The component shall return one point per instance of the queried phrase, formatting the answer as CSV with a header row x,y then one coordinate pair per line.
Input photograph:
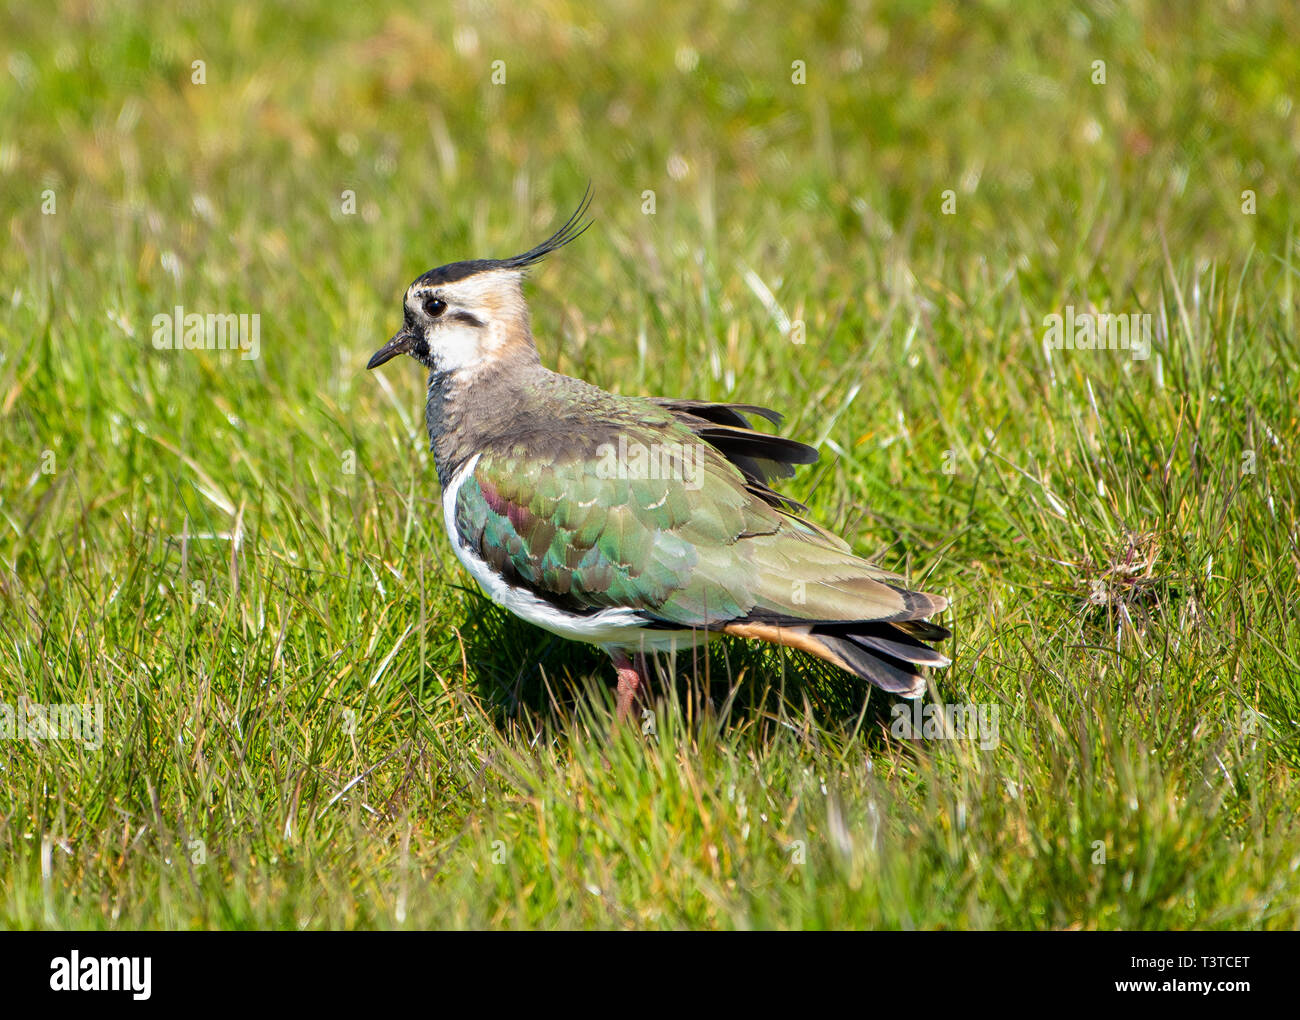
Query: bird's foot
x,y
631,679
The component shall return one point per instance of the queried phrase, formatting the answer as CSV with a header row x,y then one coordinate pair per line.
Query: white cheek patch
x,y
457,345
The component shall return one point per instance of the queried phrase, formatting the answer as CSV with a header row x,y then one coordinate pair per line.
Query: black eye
x,y
433,307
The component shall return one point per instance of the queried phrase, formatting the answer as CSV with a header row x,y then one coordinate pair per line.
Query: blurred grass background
x,y
313,720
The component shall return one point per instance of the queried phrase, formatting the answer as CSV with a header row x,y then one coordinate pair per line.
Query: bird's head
x,y
467,314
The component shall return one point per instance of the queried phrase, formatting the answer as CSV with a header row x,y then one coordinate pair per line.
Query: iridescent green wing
x,y
635,517
646,516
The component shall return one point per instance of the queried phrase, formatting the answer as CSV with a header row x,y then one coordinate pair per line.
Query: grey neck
x,y
462,414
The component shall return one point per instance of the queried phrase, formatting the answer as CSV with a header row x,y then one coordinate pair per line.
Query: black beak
x,y
400,344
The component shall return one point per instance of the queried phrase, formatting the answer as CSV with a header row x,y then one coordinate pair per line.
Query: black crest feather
x,y
571,230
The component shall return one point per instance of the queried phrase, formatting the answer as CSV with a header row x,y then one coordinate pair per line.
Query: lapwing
x,y
638,524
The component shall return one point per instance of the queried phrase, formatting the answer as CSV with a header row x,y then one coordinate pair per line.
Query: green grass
x,y
312,719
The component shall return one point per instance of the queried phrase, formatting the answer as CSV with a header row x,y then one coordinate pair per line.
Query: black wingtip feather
x,y
758,444
923,630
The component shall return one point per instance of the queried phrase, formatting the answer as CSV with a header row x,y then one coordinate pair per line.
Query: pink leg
x,y
631,678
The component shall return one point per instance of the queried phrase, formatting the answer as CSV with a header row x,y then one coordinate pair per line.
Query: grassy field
x,y
862,216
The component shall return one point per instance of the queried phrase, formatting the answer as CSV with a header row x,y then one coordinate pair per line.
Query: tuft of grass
x,y
310,717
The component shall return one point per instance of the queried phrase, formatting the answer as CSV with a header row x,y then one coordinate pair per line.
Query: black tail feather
x,y
888,655
903,648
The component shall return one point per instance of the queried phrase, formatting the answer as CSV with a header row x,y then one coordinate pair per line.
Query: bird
x,y
637,524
